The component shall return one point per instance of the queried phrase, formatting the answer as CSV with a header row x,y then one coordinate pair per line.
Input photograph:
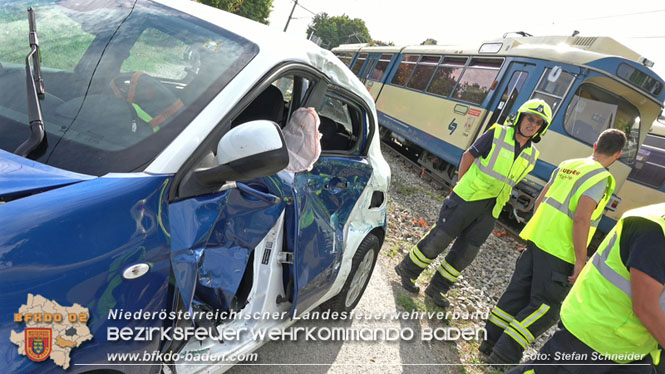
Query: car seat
x,y
269,105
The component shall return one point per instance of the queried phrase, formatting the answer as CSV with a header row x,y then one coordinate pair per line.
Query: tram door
x,y
372,60
515,90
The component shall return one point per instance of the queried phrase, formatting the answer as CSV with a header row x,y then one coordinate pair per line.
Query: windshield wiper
x,y
35,90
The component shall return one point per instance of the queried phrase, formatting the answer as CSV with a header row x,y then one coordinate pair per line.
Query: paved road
x,y
415,356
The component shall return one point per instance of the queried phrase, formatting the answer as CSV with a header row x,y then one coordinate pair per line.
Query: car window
x,y
121,81
159,54
342,124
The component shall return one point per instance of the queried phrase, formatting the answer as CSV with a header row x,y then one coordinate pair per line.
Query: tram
x,y
434,101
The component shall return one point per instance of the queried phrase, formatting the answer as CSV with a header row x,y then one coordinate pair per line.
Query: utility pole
x,y
295,2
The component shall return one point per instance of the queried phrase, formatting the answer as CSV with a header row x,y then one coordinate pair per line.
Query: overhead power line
x,y
621,15
646,37
295,3
313,13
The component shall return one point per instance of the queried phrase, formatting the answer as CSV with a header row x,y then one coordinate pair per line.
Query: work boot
x,y
498,363
485,348
437,296
407,283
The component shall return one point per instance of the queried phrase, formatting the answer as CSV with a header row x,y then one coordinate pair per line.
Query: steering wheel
x,y
153,103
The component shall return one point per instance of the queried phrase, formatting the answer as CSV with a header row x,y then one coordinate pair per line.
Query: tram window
x,y
341,125
594,109
447,75
650,162
644,81
475,83
346,57
552,87
380,68
359,64
508,98
404,70
423,73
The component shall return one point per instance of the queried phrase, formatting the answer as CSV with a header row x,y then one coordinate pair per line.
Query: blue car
x,y
154,206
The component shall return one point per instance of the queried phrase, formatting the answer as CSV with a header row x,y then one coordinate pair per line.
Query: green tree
x,y
429,41
257,10
338,30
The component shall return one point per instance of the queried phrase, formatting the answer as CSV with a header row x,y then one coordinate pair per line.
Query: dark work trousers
x,y
470,222
531,303
564,353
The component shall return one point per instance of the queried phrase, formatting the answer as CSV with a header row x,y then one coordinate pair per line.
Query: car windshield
x,y
122,79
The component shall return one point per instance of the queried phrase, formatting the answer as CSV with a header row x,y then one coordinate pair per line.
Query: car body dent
x,y
213,237
324,199
86,263
362,220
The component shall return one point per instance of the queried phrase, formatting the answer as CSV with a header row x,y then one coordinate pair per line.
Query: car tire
x,y
361,271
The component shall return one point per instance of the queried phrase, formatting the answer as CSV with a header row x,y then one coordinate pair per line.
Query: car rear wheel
x,y
361,271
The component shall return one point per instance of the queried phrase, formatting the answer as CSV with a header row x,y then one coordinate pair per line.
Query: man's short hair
x,y
610,142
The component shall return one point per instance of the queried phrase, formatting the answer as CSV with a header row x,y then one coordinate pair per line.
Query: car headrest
x,y
268,105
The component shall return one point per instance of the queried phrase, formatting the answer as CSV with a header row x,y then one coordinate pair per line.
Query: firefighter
x,y
567,212
488,171
615,312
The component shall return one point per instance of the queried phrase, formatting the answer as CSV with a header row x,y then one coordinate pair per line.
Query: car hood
x,y
20,177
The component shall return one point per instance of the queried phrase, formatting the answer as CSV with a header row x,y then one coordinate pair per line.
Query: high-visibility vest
x,y
495,176
599,307
551,227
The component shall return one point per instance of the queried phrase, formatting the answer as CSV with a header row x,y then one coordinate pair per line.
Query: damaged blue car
x,y
165,165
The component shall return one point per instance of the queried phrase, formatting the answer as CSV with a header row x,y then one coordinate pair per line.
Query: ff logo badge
x,y
38,343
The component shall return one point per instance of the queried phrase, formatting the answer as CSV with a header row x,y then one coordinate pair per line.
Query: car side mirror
x,y
250,150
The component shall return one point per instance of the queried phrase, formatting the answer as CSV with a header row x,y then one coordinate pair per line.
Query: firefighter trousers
x,y
530,304
469,222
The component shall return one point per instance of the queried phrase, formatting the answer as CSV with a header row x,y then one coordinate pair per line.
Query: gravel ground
x,y
414,204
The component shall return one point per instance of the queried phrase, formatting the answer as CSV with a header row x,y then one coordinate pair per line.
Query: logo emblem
x,y
38,343
540,108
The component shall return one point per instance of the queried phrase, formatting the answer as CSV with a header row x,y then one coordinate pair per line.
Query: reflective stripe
x,y
500,313
450,268
522,330
498,321
421,256
600,262
446,275
489,169
516,337
564,207
528,321
414,258
531,159
499,145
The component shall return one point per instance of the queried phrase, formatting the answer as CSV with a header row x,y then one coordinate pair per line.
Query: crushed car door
x,y
324,198
212,239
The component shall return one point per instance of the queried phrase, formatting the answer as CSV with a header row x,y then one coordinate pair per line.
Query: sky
x,y
639,24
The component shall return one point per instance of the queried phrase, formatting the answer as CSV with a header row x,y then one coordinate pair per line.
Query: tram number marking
x,y
554,74
452,127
